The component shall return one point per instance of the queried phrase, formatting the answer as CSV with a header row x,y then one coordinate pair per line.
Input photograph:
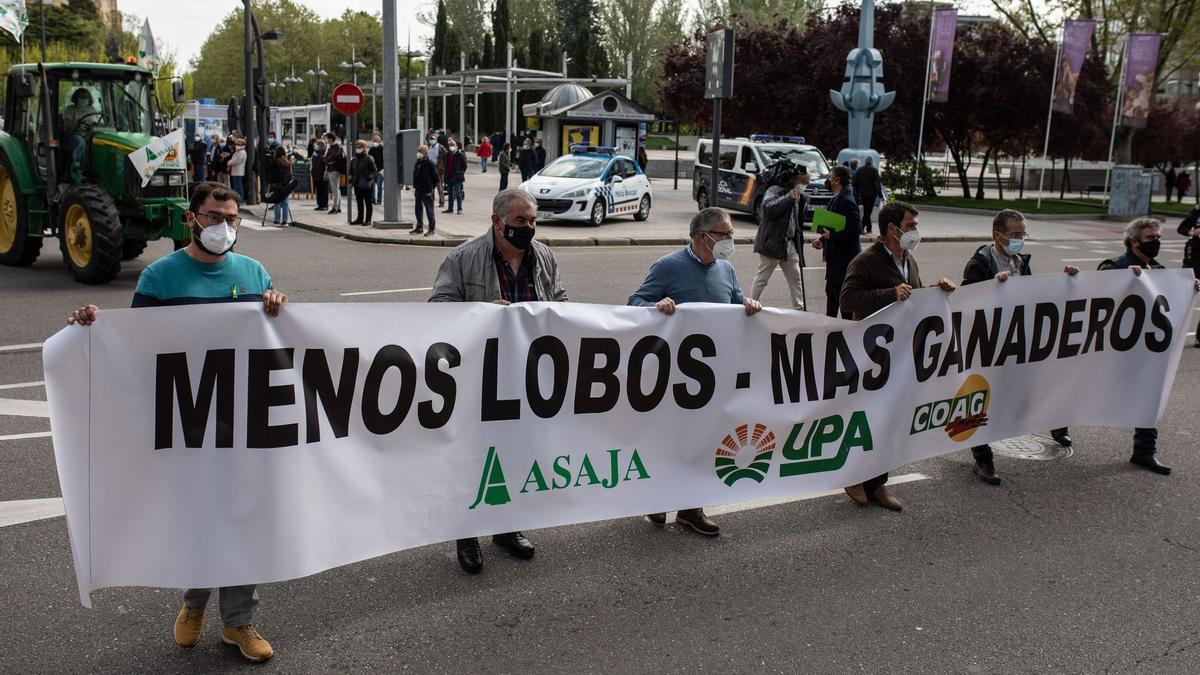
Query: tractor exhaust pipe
x,y
51,147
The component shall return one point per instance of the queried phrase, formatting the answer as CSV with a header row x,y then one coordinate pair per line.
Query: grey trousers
x,y
791,272
335,188
237,603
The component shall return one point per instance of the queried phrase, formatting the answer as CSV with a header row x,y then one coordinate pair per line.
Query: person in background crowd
x,y
437,153
272,142
885,273
1190,228
505,265
1170,180
1143,239
868,188
1000,260
423,181
643,159
376,153
698,272
497,141
199,157
335,165
362,178
311,147
456,175
203,272
222,154
780,238
527,160
1182,184
320,183
840,247
540,153
484,152
279,174
505,165
236,167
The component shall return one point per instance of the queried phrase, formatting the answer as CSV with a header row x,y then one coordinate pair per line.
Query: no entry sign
x,y
347,98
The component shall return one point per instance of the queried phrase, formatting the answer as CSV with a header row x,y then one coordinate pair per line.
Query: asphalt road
x,y
1083,564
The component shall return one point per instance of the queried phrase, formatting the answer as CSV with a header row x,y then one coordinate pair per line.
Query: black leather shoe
x,y
1150,463
1061,437
416,230
695,519
448,211
986,471
658,519
469,556
515,543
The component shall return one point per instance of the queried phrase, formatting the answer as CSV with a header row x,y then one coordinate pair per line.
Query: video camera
x,y
784,173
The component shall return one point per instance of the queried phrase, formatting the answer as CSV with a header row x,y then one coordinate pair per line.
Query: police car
x,y
743,160
590,184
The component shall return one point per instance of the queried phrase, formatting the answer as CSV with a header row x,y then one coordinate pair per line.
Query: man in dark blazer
x,y
839,247
868,187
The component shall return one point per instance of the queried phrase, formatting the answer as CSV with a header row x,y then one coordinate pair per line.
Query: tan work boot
x,y
188,624
254,647
884,499
858,494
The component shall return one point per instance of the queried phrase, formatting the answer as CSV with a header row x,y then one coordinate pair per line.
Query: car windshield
x,y
809,158
575,167
123,105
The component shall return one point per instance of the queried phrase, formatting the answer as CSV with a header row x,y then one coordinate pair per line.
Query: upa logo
x,y
566,471
959,416
741,443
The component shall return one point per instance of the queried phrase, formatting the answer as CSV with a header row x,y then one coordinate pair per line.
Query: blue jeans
x,y
456,194
283,212
235,182
483,163
78,146
379,188
200,172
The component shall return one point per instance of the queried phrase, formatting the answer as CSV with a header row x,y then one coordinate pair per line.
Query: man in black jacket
x,y
424,182
780,238
316,167
527,160
840,247
1000,260
868,188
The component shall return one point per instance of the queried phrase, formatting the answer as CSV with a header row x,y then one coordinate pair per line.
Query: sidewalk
x,y
667,226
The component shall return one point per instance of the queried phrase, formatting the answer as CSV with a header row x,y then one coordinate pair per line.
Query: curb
x,y
1028,216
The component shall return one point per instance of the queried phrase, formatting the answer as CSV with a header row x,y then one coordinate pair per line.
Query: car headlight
x,y
574,194
158,181
175,179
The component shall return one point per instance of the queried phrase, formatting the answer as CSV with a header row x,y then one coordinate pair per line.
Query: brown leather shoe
x,y
253,646
858,494
887,501
188,623
695,519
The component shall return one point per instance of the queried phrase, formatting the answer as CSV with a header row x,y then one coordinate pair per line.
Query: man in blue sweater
x,y
699,272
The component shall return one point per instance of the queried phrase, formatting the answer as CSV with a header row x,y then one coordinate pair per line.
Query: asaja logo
x,y
959,416
567,471
741,443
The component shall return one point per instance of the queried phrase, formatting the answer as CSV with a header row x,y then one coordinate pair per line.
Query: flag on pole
x,y
147,51
163,152
1077,39
941,54
1141,64
13,19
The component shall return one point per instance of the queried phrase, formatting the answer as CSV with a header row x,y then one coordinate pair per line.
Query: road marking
x,y
28,510
392,290
259,226
23,408
20,348
21,437
22,385
1068,248
1083,259
806,268
746,506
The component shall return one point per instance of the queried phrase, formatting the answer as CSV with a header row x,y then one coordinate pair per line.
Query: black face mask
x,y
1150,248
520,237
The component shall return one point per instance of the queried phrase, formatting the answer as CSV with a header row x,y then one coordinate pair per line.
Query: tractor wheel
x,y
90,235
132,248
17,247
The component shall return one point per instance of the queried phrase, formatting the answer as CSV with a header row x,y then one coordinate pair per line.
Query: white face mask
x,y
722,249
910,239
453,148
217,239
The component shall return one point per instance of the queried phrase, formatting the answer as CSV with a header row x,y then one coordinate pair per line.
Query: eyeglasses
x,y
721,234
213,218
1016,235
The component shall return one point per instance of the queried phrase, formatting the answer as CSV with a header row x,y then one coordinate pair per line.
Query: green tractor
x,y
65,170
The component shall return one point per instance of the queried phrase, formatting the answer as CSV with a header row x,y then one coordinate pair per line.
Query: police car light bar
x,y
771,138
593,149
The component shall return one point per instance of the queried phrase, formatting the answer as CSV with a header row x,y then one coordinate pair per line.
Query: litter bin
x,y
1129,194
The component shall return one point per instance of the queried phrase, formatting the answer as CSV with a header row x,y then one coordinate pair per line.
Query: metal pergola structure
x,y
476,81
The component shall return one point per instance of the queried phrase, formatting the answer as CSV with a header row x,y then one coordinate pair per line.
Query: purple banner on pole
x,y
1077,39
941,53
1141,62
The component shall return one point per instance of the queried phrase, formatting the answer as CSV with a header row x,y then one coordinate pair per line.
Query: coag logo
x,y
743,441
959,416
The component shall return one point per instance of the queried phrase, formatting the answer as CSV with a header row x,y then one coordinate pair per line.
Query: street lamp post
x,y
254,104
292,81
408,57
318,74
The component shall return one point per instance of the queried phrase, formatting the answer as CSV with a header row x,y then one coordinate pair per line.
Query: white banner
x,y
165,152
210,445
13,18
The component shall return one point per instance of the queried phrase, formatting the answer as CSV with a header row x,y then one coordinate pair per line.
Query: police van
x,y
590,184
741,163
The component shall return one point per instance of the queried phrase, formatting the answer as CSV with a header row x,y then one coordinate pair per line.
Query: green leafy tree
x,y
715,12
581,35
641,28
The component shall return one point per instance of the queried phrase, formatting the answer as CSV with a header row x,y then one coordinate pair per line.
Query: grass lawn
x,y
660,143
1054,206
1174,207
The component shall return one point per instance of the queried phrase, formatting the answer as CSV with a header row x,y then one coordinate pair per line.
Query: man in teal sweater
x,y
698,272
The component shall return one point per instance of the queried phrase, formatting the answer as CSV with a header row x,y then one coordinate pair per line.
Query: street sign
x,y
347,98
718,77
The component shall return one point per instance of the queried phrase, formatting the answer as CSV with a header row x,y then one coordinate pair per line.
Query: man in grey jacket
x,y
504,265
780,238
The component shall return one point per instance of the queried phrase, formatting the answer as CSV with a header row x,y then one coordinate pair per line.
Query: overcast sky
x,y
183,25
